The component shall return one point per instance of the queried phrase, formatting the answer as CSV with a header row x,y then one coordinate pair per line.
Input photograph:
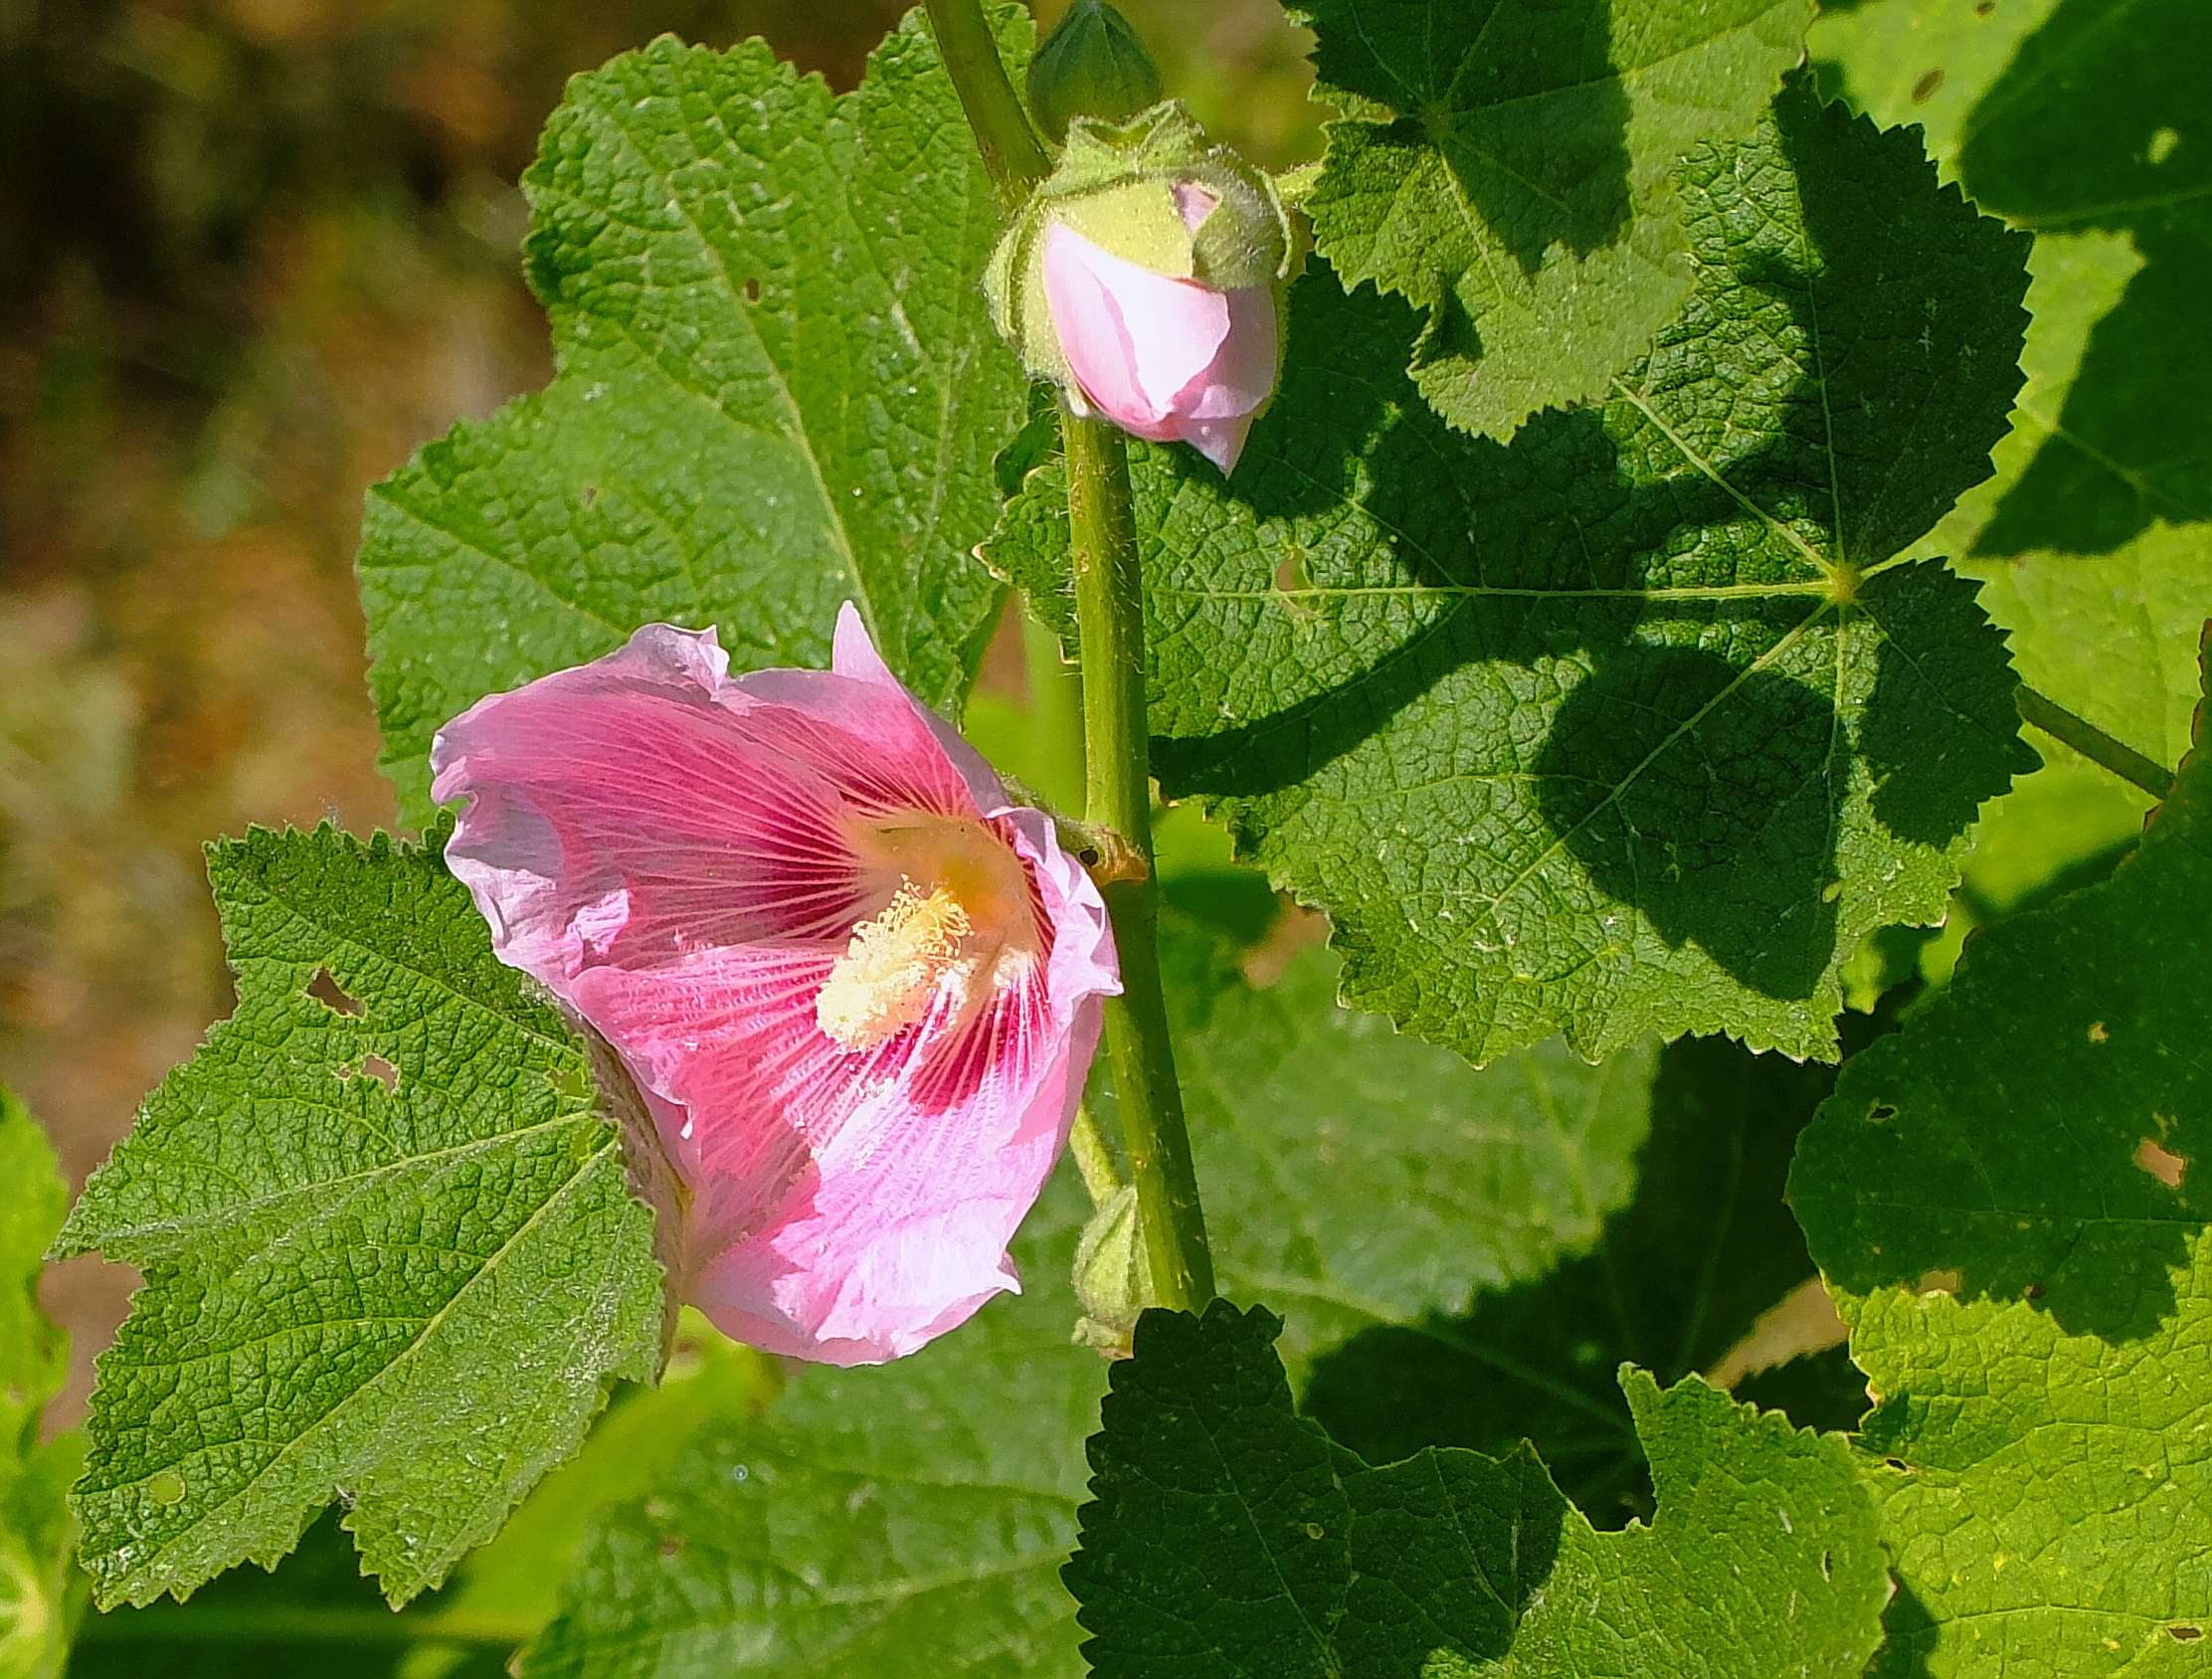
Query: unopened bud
x,y
1093,63
1145,278
1113,1276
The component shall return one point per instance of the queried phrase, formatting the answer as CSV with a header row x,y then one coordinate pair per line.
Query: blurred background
x,y
252,253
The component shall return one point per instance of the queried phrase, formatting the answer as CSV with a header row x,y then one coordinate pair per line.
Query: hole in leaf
x,y
378,1068
1939,1283
328,991
1925,89
1881,1113
2162,1164
752,289
2184,1635
1899,1465
2032,1291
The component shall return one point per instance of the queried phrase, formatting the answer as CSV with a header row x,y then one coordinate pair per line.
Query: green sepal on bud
x,y
1093,63
1117,186
1113,1276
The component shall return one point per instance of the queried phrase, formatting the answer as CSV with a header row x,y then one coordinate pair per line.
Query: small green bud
x,y
1093,63
1113,1277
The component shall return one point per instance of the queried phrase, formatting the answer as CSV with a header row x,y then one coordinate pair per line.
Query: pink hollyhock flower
x,y
1168,359
859,985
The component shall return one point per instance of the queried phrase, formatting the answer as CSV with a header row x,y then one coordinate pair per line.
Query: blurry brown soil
x,y
252,253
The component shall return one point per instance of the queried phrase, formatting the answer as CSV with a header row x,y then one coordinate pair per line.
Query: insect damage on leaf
x,y
411,1295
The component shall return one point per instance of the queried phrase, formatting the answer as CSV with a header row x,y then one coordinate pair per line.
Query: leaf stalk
x,y
2094,744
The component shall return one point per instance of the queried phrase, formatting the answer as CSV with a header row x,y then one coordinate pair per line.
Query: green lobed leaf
x,y
2108,635
409,1299
779,389
1508,168
910,1519
1355,1178
2083,121
2020,1157
1680,1277
1228,1535
35,1528
1635,726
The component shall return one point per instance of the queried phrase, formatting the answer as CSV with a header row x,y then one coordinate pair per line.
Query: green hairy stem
x,y
1110,611
1109,600
1009,146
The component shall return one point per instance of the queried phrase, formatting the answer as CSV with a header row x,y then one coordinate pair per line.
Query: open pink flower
x,y
859,985
1169,359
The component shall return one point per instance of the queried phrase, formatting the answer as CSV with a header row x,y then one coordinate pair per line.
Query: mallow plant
x,y
749,1184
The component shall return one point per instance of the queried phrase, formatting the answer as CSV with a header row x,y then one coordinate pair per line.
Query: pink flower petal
x,y
1134,338
851,1213
678,856
1240,379
1167,359
1195,201
1220,441
620,811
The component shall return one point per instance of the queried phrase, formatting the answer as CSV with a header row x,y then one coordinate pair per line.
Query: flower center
x,y
954,910
893,967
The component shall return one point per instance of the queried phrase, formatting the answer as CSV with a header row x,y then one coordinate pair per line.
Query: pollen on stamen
x,y
890,971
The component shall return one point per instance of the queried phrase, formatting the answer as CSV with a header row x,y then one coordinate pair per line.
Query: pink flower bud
x,y
1144,279
1173,360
